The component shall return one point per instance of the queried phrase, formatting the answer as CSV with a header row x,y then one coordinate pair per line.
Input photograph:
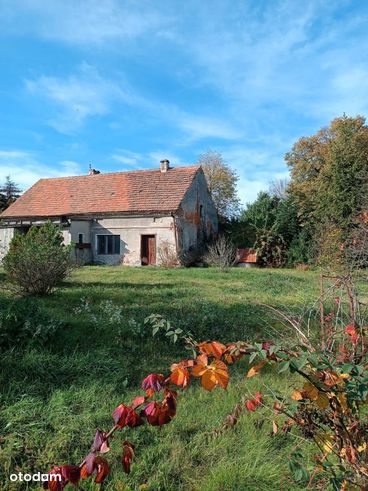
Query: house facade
x,y
122,217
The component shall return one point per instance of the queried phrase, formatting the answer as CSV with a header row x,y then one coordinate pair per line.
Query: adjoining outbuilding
x,y
247,258
120,217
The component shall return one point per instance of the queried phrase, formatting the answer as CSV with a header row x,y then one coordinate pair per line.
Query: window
x,y
108,244
80,239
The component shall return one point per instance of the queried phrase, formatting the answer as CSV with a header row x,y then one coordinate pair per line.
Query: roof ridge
x,y
136,171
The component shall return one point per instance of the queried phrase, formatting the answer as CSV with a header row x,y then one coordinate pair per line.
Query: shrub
x,y
167,256
38,261
271,249
221,254
24,323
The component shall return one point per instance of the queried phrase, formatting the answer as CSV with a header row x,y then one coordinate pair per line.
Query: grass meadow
x,y
54,395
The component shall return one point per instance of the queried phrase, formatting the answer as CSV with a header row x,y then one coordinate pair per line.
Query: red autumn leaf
x,y
138,401
258,397
179,375
89,465
169,402
133,419
251,405
100,443
350,330
119,415
128,454
214,349
71,473
56,481
102,469
153,381
83,472
158,414
266,345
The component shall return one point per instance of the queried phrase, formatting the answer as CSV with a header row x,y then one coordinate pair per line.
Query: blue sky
x,y
122,84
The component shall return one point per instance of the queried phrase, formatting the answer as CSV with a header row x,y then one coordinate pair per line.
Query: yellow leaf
x,y
322,400
327,441
256,369
362,448
343,401
275,428
209,380
344,375
311,391
297,395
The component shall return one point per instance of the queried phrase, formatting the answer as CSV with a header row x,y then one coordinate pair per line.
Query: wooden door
x,y
148,250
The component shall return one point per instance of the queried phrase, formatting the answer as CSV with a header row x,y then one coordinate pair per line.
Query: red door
x,y
148,250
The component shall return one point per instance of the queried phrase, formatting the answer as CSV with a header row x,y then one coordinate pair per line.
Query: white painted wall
x,y
130,231
6,235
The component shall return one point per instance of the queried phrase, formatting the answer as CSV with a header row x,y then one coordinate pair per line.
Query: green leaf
x,y
284,366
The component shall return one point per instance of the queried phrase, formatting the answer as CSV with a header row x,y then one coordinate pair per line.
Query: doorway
x,y
148,250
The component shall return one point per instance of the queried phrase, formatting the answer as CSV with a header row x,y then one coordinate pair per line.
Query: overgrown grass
x,y
53,397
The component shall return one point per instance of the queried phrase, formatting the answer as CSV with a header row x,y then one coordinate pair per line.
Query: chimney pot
x,y
164,165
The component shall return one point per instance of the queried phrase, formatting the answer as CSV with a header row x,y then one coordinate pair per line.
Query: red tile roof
x,y
247,256
119,192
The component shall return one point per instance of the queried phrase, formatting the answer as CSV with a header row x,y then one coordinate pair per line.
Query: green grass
x,y
53,397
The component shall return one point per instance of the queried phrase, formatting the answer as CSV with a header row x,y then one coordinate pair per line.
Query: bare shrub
x,y
221,254
167,256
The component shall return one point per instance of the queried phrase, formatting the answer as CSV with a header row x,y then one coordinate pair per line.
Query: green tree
x,y
271,224
222,184
329,173
9,192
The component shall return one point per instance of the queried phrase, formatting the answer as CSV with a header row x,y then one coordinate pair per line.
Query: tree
x,y
329,174
38,261
271,225
222,184
9,192
279,188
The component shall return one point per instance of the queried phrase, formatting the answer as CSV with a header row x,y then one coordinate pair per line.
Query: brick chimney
x,y
164,165
92,172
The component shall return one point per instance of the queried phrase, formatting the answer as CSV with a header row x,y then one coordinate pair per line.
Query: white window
x,y
108,244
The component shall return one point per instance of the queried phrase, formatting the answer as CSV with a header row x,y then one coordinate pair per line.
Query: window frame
x,y
114,243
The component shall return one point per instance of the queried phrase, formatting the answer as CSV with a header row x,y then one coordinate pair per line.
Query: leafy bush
x,y
271,249
24,323
221,254
38,261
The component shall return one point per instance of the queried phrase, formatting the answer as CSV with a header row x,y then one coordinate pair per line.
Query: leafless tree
x,y
279,188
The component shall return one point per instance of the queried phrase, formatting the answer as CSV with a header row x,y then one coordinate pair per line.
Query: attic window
x,y
80,238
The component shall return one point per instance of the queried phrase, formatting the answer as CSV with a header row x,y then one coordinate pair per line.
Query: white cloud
x,y
79,96
82,22
25,169
199,127
136,160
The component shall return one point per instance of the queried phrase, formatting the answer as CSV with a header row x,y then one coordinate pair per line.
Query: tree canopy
x,y
222,184
329,173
